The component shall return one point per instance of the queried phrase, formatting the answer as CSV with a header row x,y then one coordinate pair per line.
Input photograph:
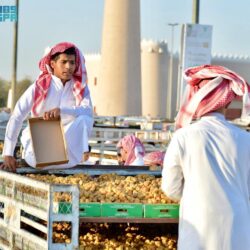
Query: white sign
x,y
195,50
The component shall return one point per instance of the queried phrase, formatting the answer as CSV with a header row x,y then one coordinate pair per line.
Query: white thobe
x,y
77,121
207,168
138,161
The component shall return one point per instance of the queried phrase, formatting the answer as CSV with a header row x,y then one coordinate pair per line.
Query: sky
x,y
44,23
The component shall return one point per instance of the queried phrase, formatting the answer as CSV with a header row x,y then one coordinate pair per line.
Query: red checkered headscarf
x,y
133,146
42,84
154,158
209,88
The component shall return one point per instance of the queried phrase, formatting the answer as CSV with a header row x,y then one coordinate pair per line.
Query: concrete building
x,y
154,76
130,77
237,63
93,65
154,67
120,71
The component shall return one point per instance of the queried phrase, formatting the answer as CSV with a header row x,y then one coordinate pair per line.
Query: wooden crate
x,y
48,142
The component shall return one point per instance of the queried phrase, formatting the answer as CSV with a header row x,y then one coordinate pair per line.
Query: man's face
x,y
64,67
124,154
119,158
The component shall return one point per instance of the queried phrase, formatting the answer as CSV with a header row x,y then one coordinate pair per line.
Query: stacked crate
x,y
29,209
123,210
28,206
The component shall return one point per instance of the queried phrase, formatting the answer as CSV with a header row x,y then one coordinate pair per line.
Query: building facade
x,y
154,78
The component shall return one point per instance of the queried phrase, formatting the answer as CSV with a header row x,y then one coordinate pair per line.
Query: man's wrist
x,y
8,148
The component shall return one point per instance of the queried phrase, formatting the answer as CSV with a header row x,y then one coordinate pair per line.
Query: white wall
x,y
154,74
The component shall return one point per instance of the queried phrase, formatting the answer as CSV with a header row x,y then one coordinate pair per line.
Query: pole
x,y
170,72
196,11
180,70
14,66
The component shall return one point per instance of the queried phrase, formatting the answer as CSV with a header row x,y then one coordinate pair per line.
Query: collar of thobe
x,y
215,115
58,81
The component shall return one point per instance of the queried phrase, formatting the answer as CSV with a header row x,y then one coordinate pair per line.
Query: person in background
x,y
131,150
119,158
207,163
154,158
86,155
59,91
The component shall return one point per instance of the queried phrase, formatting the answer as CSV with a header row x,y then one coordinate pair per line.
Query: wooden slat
x,y
90,171
34,224
128,220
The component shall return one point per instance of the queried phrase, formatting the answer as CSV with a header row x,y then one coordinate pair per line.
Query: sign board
x,y
196,44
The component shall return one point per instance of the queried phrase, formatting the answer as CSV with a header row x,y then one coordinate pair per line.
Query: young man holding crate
x,y
60,91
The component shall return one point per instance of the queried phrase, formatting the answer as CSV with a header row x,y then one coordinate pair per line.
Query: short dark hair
x,y
69,51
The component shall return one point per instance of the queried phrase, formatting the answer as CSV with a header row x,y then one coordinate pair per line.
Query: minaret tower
x,y
120,75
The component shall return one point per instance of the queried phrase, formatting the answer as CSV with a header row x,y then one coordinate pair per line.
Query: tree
x,y
22,86
4,89
5,86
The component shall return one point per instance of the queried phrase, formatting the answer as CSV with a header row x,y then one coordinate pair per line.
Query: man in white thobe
x,y
59,91
131,151
207,164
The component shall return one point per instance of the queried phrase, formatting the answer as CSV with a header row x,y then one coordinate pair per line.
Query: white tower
x,y
154,64
120,74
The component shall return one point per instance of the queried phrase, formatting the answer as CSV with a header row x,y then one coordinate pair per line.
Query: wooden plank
x,y
128,220
34,224
89,171
115,167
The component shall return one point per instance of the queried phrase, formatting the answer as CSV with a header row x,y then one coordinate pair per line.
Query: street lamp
x,y
170,72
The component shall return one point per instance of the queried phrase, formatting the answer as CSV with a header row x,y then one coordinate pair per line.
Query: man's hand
x,y
9,163
52,114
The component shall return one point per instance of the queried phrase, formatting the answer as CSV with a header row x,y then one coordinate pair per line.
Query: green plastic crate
x,y
85,209
64,208
90,209
161,210
122,210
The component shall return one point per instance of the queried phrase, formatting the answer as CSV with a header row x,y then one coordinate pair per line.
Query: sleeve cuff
x,y
8,149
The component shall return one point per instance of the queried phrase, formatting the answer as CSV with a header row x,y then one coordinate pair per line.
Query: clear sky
x,y
44,23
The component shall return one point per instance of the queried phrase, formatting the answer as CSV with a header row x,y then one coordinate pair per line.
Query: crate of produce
x,y
122,210
90,209
85,209
27,206
161,210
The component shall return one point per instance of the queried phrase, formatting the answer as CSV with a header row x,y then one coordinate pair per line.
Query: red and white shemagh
x,y
154,158
210,87
133,146
43,82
